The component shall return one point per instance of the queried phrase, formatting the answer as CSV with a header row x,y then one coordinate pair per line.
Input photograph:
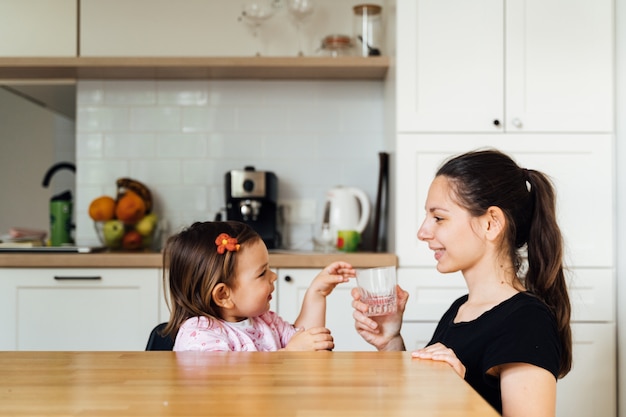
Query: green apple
x,y
146,225
113,231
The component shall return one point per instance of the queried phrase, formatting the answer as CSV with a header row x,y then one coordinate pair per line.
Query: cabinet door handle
x,y
78,278
288,278
496,122
517,123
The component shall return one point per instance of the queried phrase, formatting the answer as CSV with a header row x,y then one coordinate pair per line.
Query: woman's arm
x,y
527,390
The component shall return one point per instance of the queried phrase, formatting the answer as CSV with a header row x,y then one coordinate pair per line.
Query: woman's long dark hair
x,y
486,178
192,268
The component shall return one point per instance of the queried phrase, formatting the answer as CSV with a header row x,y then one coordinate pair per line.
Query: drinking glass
x,y
378,289
300,10
255,14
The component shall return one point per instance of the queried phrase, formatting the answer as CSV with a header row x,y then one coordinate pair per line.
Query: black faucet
x,y
54,168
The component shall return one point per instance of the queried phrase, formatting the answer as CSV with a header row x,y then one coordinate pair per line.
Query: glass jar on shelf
x,y
368,30
337,45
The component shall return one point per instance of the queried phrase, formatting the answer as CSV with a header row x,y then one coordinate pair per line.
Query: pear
x,y
146,225
113,231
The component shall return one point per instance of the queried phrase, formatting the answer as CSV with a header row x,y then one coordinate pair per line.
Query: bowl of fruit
x,y
126,222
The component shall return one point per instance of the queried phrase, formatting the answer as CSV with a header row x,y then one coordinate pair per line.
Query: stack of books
x,y
23,238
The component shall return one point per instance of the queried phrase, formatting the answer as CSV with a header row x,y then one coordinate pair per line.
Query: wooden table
x,y
307,384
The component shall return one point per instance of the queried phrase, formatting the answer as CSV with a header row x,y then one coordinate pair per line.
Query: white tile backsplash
x,y
181,137
155,119
129,145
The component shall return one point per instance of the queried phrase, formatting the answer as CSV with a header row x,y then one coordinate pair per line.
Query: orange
x,y
102,208
130,208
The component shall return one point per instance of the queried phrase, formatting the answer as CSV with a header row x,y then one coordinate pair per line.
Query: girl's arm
x,y
313,312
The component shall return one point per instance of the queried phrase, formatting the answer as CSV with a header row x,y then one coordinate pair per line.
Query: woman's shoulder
x,y
526,309
525,300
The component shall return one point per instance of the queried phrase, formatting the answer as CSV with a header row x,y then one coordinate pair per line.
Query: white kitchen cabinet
x,y
42,28
590,389
157,27
291,286
514,66
77,308
196,28
580,165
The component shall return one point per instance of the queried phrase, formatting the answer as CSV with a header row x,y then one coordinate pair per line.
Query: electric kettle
x,y
346,208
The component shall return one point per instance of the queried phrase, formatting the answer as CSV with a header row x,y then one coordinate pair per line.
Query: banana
x,y
139,188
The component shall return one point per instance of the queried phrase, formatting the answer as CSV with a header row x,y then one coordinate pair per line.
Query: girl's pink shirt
x,y
268,332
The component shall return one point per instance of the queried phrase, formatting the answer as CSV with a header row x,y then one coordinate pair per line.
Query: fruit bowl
x,y
116,235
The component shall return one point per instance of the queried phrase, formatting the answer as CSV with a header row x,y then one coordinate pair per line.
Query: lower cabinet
x,y
78,309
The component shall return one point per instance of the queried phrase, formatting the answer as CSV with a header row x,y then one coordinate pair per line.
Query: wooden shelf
x,y
262,68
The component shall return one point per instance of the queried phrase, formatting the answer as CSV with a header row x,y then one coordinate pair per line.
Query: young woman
x,y
510,336
220,290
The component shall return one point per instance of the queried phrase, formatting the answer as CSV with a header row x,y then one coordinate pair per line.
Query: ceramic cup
x,y
378,289
348,240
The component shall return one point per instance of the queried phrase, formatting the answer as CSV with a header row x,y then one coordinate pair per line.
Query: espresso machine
x,y
251,197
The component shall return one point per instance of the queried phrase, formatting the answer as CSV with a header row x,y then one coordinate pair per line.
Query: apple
x,y
132,240
113,231
146,225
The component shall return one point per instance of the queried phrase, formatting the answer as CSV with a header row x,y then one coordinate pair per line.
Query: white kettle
x,y
347,208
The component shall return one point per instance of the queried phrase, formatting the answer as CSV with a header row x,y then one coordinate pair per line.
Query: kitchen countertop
x,y
278,259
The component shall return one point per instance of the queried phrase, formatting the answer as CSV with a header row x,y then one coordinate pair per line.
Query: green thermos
x,y
61,219
60,208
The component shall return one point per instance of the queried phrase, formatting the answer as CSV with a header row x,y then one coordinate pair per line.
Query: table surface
x,y
307,384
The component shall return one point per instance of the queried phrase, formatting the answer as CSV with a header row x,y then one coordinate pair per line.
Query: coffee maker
x,y
251,197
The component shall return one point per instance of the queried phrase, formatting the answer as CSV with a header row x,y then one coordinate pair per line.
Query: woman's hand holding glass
x,y
383,332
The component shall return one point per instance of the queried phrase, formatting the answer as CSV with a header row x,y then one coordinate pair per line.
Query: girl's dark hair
x,y
193,268
487,178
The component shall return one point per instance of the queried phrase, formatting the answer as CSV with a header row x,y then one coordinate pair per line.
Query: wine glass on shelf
x,y
300,11
255,14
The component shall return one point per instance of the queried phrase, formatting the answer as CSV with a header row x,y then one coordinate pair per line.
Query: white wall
x,y
32,138
181,137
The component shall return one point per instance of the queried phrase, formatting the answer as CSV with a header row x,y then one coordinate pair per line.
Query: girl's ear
x,y
496,222
221,295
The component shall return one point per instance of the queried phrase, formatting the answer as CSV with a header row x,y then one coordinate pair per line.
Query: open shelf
x,y
263,68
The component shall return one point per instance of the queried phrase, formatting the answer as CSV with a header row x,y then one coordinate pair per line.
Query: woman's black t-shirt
x,y
520,329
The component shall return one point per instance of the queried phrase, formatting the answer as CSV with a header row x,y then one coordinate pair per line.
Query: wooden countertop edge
x,y
155,260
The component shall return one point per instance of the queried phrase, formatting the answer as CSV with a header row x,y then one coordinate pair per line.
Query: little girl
x,y
220,291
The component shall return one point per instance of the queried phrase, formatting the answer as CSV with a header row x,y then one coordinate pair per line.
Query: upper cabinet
x,y
201,28
498,66
152,28
163,39
42,28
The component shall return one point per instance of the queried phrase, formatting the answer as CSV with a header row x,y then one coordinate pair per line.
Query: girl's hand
x,y
383,332
335,273
440,352
316,338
